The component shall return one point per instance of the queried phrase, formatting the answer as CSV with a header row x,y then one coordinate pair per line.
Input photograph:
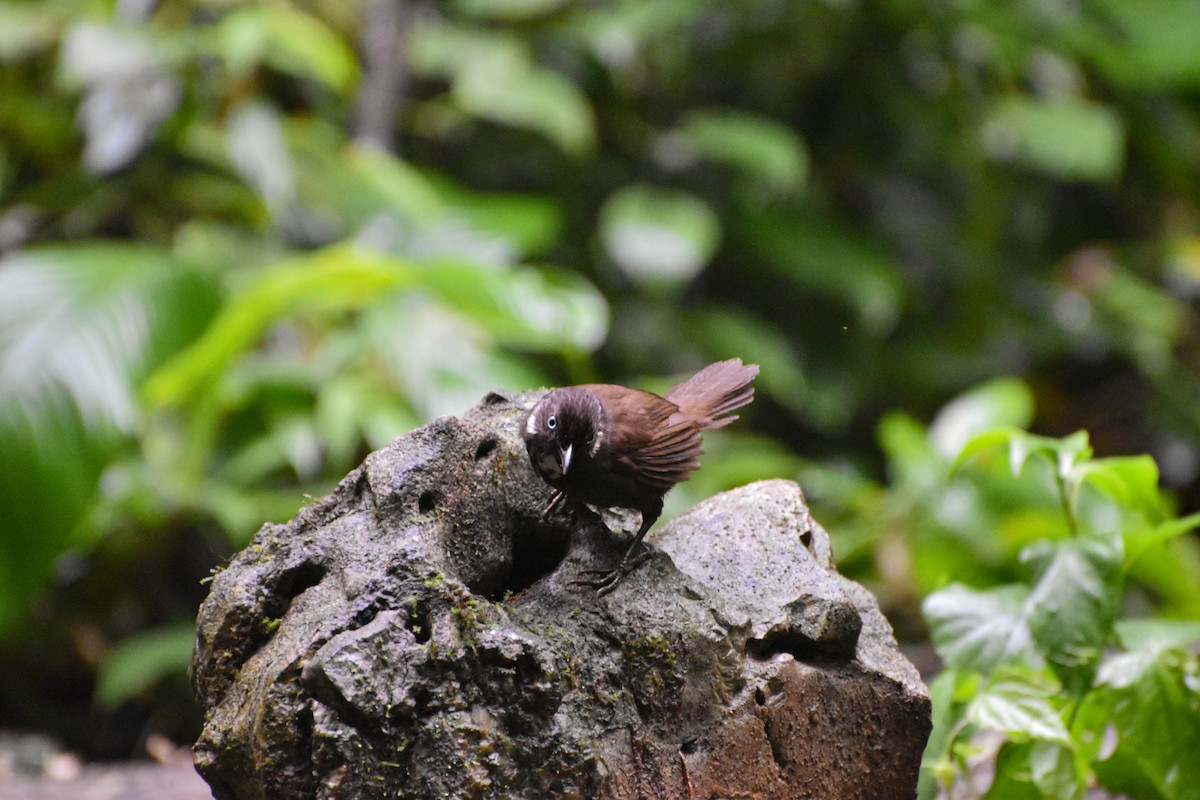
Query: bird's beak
x,y
564,454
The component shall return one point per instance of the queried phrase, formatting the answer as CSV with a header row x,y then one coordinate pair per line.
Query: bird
x,y
613,446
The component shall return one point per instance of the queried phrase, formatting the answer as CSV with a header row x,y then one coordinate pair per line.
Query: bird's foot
x,y
607,579
558,501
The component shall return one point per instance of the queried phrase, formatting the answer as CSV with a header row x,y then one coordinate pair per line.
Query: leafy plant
x,y
1045,679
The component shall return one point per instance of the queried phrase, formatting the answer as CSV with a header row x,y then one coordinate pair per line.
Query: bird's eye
x,y
552,422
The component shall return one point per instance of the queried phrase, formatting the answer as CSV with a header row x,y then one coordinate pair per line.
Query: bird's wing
x,y
644,441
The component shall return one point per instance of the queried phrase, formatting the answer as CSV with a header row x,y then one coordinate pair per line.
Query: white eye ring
x,y
551,422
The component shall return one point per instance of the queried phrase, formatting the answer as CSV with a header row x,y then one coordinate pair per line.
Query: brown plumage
x,y
609,445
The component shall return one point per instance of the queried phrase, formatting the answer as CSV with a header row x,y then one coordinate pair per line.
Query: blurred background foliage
x,y
241,245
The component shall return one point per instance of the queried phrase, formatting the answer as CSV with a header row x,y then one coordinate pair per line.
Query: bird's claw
x,y
607,579
557,501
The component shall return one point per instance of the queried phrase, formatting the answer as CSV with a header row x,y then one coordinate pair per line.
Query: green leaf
x,y
981,630
1072,606
1155,710
1037,770
138,663
657,235
1144,44
1132,481
1004,403
27,29
1139,540
338,277
88,321
1156,635
913,464
1064,453
1068,138
289,40
757,146
1019,705
543,308
512,90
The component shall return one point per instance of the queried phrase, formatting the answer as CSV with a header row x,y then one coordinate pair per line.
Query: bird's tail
x,y
709,395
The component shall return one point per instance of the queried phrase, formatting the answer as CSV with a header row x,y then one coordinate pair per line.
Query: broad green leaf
x,y
658,236
1068,139
335,278
1132,481
512,90
1019,705
1003,403
138,663
542,308
1155,635
291,41
913,464
1155,711
948,694
1144,44
1037,770
1073,603
981,630
87,321
757,146
398,185
1064,453
530,223
27,29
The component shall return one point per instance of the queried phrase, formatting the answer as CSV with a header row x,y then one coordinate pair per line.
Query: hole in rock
x,y
485,448
417,623
806,539
494,398
537,552
297,581
428,501
760,696
800,646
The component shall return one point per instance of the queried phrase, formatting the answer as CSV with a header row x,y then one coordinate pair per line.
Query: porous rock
x,y
420,633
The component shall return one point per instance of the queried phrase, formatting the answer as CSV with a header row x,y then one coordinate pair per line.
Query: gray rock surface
x,y
417,633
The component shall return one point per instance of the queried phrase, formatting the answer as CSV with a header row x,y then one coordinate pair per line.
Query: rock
x,y
417,633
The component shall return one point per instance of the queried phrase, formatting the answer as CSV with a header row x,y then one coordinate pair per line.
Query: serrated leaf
x,y
1073,604
981,630
1156,714
1020,707
1037,770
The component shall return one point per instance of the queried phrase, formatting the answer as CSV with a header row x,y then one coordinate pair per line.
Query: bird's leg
x,y
557,502
608,578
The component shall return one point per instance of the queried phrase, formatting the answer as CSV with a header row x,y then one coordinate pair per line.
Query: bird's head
x,y
564,427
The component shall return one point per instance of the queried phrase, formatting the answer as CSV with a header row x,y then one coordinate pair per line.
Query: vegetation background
x,y
241,245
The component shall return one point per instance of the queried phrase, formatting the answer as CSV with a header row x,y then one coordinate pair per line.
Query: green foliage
x,y
1045,662
242,245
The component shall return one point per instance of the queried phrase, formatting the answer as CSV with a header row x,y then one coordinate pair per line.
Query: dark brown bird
x,y
611,446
